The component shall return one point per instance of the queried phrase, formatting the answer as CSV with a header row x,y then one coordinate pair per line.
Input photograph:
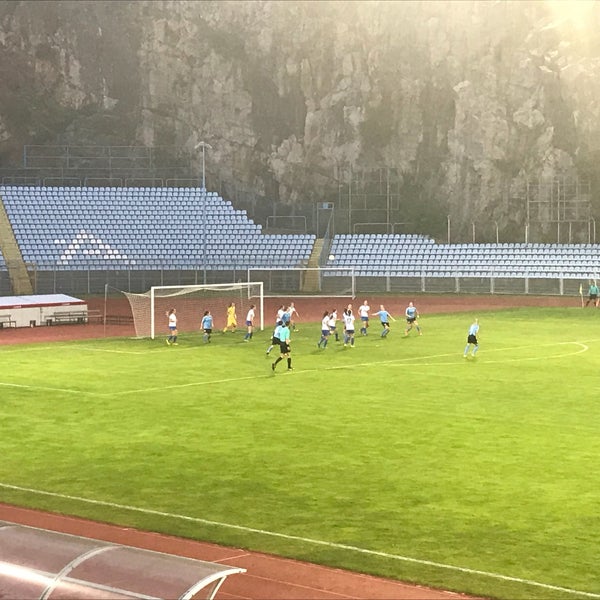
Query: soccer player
x,y
275,338
231,318
206,325
472,338
384,317
250,323
324,330
412,314
286,317
333,324
363,313
172,339
284,344
292,311
593,294
348,318
280,312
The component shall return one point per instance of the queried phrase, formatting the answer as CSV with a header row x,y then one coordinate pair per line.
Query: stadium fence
x,y
330,282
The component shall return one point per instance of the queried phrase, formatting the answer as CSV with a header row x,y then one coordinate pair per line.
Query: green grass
x,y
399,447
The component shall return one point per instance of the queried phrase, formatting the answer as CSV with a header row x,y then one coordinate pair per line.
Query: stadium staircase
x,y
13,259
311,282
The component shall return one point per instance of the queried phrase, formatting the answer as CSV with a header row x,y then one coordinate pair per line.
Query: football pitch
x,y
397,457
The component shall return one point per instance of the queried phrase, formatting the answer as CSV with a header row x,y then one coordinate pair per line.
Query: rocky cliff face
x,y
463,101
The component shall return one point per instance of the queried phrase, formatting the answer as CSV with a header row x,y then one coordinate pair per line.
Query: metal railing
x,y
51,279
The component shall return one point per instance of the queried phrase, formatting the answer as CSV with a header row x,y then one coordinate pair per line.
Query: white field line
x,y
45,388
305,540
110,351
70,348
396,361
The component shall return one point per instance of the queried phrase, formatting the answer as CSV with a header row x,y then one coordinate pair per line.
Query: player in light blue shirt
x,y
412,314
284,344
275,337
472,338
385,318
206,326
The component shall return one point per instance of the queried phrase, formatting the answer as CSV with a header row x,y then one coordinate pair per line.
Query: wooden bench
x,y
7,321
119,320
68,317
95,316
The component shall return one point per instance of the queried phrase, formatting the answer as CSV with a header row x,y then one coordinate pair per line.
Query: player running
x,y
412,315
275,337
472,339
284,344
385,318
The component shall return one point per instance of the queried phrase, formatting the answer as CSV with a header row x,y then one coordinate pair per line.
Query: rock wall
x,y
466,101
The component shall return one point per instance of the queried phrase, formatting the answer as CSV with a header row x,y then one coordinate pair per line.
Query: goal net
x,y
191,301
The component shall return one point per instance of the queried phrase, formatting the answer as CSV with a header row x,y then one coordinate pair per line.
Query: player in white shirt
x,y
292,311
324,330
363,313
348,317
333,324
280,312
172,339
249,323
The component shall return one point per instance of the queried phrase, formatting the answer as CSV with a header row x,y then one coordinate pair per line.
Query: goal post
x,y
191,301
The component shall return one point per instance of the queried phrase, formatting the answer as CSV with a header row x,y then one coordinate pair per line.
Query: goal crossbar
x,y
190,302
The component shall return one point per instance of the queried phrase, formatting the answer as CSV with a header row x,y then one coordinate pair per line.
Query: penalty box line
x,y
305,540
405,360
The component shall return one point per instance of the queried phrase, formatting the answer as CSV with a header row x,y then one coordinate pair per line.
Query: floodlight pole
x,y
204,146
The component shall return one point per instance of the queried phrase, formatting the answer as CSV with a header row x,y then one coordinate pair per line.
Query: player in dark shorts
x,y
472,339
412,314
284,345
275,339
593,294
207,323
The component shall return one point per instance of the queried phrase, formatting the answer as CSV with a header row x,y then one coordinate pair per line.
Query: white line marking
x,y
44,389
184,385
90,349
304,540
395,361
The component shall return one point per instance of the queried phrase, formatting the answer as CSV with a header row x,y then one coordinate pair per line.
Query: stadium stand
x,y
151,229
81,228
412,255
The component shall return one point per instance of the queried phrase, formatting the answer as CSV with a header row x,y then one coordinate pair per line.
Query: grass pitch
x,y
397,457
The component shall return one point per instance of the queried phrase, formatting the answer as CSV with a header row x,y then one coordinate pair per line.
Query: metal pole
x,y
203,145
497,238
448,229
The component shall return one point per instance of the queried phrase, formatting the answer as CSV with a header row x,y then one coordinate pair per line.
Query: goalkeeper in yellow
x,y
231,319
